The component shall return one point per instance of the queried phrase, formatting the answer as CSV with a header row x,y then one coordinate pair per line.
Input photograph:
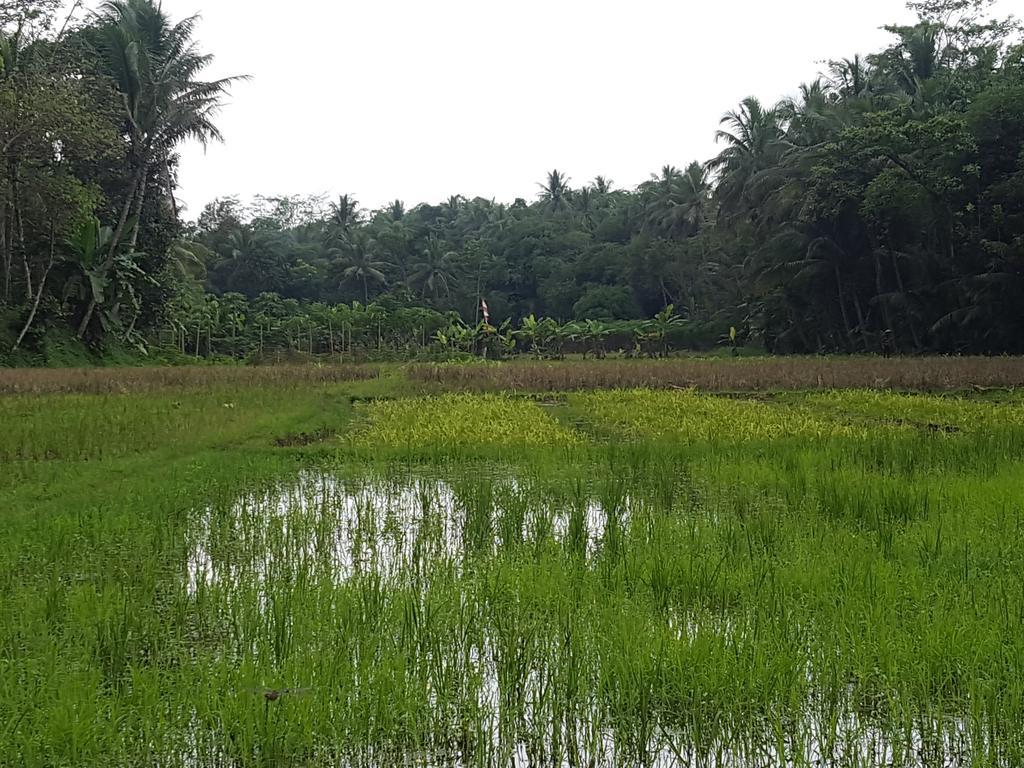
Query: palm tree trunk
x,y
126,210
140,199
170,187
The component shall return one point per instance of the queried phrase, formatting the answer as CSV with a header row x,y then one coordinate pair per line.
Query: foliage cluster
x,y
877,211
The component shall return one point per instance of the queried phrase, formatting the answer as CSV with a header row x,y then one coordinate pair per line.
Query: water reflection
x,y
328,526
401,531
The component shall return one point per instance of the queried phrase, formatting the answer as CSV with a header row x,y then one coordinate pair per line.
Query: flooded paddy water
x,y
595,579
500,616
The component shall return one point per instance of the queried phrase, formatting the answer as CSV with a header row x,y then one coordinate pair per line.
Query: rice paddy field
x,y
392,568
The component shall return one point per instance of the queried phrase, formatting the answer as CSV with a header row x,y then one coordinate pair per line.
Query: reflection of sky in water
x,y
325,526
328,527
340,528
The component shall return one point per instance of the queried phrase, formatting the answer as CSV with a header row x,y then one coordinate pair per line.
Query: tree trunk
x,y
6,237
126,209
666,298
17,227
7,221
122,220
903,293
879,290
131,325
140,199
170,187
41,288
842,307
860,320
84,325
24,254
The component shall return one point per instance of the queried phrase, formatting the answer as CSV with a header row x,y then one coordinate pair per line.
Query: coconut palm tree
x,y
661,192
155,65
851,78
359,262
345,213
395,210
583,207
256,260
453,205
555,192
814,117
916,57
433,275
754,140
678,201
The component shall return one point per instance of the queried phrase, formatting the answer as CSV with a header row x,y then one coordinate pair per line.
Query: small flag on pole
x,y
486,310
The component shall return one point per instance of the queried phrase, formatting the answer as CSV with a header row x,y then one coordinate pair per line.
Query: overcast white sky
x,y
421,100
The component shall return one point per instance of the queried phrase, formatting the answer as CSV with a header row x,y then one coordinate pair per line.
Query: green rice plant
x,y
688,415
472,581
461,421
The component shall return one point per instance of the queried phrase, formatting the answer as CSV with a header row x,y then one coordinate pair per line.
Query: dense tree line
x,y
90,117
880,210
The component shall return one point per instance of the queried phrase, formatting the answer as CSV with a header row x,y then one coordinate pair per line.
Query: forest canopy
x,y
880,210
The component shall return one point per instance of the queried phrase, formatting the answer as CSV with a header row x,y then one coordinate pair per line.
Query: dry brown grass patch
x,y
140,380
926,374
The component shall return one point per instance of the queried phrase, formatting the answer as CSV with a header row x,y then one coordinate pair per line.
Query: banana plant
x,y
656,330
457,338
595,334
499,339
507,339
543,336
104,281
